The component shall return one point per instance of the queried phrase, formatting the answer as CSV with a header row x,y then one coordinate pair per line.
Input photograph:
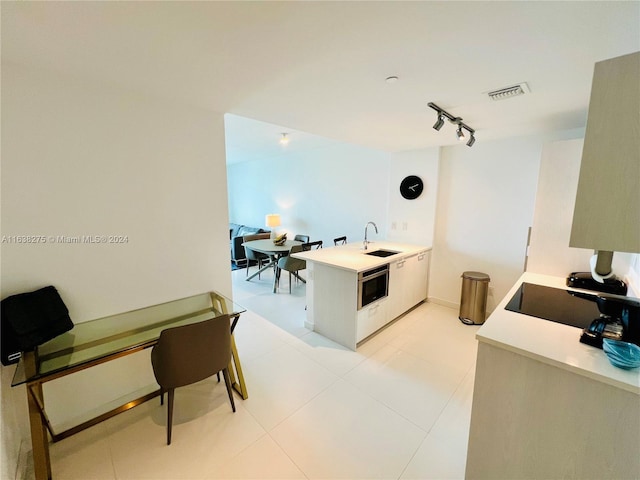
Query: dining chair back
x,y
290,264
301,238
312,245
340,241
260,258
190,353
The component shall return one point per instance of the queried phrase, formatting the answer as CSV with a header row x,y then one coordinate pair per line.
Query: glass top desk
x,y
98,341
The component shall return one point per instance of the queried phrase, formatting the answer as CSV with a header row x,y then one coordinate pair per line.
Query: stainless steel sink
x,y
381,253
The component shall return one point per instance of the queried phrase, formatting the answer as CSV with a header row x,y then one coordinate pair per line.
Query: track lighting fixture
x,y
442,115
284,140
439,123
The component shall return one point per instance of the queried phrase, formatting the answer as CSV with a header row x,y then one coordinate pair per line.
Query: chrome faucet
x,y
366,242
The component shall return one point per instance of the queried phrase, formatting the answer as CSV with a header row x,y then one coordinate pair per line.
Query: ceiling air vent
x,y
509,92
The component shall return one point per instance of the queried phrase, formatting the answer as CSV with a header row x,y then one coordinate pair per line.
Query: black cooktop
x,y
555,304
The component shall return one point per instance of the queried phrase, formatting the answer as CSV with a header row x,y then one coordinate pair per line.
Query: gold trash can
x,y
473,299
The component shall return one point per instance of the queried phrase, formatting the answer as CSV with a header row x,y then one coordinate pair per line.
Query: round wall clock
x,y
411,187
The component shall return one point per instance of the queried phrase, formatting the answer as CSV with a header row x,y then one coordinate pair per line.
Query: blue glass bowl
x,y
621,354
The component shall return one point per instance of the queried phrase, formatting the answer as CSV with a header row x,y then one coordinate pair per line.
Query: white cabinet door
x,y
407,283
411,279
371,318
419,277
397,289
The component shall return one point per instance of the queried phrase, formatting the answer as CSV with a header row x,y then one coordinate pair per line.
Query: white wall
x,y
627,266
549,252
485,207
324,193
81,158
412,221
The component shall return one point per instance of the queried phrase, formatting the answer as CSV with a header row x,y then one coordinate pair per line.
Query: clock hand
x,y
413,187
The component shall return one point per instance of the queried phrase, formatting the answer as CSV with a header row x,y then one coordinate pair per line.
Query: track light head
x,y
460,134
439,123
471,141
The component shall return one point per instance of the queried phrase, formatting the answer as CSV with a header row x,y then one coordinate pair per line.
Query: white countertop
x,y
552,343
352,256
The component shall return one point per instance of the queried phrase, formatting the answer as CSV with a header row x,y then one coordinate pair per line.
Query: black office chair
x,y
301,238
190,353
312,245
340,241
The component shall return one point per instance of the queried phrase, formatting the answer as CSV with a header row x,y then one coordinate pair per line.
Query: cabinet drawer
x,y
371,318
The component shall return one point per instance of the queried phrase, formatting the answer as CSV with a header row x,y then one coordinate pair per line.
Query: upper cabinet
x,y
607,210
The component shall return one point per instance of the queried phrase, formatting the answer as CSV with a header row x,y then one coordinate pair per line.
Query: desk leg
x,y
39,436
236,368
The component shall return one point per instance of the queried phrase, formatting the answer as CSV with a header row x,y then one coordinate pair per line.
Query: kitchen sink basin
x,y
381,253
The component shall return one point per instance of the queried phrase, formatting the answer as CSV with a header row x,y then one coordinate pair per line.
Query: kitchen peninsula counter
x,y
353,257
332,273
546,405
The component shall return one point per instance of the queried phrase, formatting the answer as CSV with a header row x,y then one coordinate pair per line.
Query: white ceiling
x,y
320,67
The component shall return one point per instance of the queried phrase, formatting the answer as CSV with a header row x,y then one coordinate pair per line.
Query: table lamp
x,y
272,220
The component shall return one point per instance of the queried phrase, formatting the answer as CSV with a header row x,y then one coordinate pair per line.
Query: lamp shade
x,y
272,220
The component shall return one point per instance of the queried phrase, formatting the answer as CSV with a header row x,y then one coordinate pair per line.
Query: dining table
x,y
274,251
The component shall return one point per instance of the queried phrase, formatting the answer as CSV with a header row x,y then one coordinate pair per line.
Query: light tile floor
x,y
398,408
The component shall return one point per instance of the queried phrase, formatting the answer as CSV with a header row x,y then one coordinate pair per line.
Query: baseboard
x,y
444,303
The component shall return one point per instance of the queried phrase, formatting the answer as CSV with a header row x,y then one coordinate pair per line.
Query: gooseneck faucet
x,y
366,242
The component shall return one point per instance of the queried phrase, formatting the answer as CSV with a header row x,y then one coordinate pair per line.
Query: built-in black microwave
x,y
372,285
